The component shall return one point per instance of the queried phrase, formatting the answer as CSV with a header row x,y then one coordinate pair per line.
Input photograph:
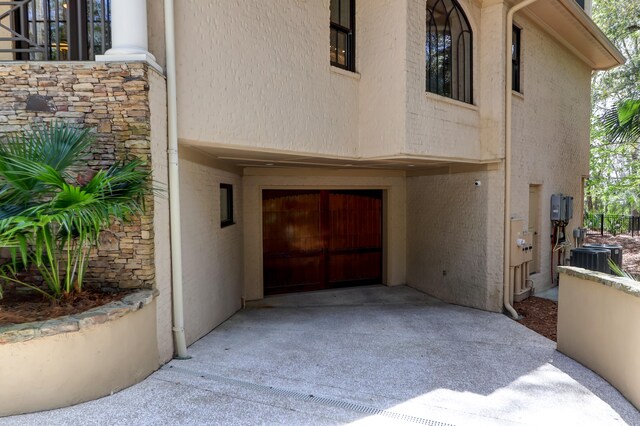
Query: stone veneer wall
x,y
113,100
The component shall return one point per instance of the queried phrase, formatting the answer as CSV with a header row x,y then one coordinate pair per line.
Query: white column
x,y
128,32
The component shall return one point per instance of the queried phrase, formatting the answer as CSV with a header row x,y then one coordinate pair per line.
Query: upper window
x,y
449,51
343,52
515,59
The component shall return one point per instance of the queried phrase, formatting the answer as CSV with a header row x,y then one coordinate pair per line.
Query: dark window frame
x,y
48,31
439,52
229,191
516,59
350,33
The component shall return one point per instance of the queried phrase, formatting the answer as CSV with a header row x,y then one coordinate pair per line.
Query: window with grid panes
x,y
342,40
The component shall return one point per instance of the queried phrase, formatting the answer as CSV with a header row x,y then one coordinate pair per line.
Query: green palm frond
x,y
619,271
59,145
49,221
622,123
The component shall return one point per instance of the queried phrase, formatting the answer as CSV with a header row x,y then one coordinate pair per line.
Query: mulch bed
x,y
540,315
18,306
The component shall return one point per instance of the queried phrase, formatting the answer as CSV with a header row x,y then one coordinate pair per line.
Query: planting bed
x,y
18,307
80,357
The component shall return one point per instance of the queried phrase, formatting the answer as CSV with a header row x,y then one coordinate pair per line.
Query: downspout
x,y
507,160
174,184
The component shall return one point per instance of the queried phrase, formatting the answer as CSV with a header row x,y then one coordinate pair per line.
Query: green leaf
x,y
47,213
627,111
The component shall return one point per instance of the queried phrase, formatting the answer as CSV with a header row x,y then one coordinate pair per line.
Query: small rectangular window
x,y
342,38
515,60
226,205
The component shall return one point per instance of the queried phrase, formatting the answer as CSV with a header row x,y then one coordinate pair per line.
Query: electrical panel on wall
x,y
561,208
569,208
521,243
556,201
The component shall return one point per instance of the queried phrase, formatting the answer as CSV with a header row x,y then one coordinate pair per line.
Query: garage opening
x,y
321,239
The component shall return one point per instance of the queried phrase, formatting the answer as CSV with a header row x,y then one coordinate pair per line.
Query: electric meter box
x,y
561,208
568,209
556,203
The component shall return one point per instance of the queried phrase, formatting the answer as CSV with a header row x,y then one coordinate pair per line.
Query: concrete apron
x,y
368,355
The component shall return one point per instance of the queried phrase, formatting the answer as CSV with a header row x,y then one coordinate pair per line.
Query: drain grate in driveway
x,y
313,398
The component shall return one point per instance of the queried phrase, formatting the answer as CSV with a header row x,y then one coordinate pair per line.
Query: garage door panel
x,y
321,239
291,221
289,274
356,220
355,267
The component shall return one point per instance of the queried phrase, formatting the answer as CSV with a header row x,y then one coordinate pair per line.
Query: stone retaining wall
x,y
113,100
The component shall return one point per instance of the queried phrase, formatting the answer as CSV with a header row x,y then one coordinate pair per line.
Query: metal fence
x,y
611,224
54,30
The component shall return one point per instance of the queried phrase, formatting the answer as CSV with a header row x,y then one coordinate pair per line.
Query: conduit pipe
x,y
174,184
507,159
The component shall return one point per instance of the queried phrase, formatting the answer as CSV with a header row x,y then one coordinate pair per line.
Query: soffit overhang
x,y
248,158
570,25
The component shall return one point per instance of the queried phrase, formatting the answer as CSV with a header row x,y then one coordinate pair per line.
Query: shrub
x,y
53,208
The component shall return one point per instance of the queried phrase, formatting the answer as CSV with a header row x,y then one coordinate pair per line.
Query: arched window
x,y
449,51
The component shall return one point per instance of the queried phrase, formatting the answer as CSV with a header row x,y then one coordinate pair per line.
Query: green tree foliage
x,y
52,209
615,151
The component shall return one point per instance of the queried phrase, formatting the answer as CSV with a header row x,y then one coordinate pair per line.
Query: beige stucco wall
x,y
490,80
257,74
381,60
162,244
551,122
155,30
66,369
211,255
435,125
598,327
394,215
454,238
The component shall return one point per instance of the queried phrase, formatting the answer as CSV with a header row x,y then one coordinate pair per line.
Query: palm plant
x,y
622,123
52,212
617,270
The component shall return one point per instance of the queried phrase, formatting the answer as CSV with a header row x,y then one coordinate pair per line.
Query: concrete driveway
x,y
369,355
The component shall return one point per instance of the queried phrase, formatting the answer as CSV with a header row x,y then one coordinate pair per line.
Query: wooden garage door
x,y
315,240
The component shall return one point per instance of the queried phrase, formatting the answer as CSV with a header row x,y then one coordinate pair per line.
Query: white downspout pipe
x,y
174,184
507,160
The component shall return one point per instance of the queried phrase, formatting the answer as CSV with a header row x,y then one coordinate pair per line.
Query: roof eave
x,y
569,23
